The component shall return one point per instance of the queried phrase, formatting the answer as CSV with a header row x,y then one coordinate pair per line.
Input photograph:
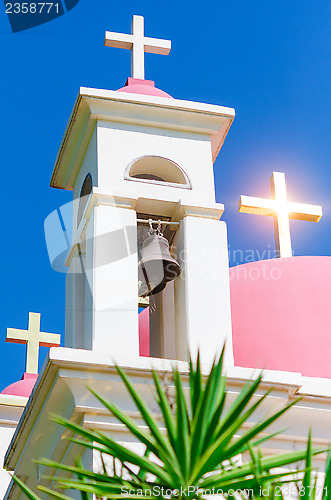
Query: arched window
x,y
157,170
83,197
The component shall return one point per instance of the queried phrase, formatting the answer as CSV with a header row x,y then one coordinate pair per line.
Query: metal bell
x,y
156,266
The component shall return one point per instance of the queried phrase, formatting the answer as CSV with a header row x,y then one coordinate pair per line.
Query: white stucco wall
x,y
11,409
119,145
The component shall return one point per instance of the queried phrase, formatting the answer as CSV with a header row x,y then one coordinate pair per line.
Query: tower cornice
x,y
93,105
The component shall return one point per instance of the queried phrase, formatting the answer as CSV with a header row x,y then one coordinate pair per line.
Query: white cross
x,y
138,43
282,210
33,337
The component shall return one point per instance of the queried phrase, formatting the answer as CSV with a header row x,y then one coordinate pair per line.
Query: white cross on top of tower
x,y
33,337
138,43
282,210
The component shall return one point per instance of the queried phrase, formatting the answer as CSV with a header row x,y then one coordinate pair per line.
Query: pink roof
x,y
281,315
22,388
146,87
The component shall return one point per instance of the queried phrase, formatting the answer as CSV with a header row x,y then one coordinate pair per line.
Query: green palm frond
x,y
195,445
327,480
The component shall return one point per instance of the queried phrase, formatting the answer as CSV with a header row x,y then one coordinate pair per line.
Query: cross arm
x,y
118,40
16,336
302,211
157,46
49,339
259,206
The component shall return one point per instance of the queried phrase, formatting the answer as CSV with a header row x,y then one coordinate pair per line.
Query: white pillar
x,y
202,291
111,288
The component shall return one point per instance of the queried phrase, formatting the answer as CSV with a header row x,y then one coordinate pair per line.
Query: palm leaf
x,y
81,477
88,474
125,455
168,417
327,479
29,493
183,430
54,494
149,420
97,488
195,383
266,463
307,478
211,402
129,423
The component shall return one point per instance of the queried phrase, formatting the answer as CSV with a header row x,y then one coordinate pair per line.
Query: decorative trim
x,y
127,176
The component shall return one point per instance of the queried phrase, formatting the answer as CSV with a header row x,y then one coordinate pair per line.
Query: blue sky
x,y
269,60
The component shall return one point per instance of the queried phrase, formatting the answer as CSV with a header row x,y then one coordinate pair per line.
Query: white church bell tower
x,y
130,156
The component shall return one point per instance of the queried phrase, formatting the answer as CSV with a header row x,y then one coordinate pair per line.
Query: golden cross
x,y
282,210
33,337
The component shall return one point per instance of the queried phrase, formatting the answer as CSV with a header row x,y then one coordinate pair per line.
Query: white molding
x,y
96,104
9,400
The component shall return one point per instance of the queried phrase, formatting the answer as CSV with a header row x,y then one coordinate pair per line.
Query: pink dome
x,y
145,87
281,315
23,387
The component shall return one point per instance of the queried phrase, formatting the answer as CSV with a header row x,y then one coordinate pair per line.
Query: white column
x,y
75,304
202,291
162,334
111,289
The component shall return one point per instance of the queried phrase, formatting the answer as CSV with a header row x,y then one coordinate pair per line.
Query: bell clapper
x,y
152,304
